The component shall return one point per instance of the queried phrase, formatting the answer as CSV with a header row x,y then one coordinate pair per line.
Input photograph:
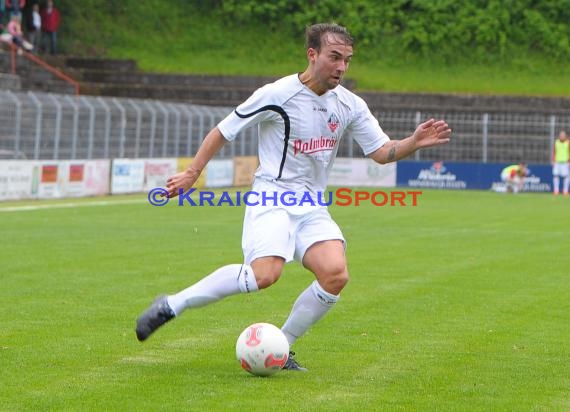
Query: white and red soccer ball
x,y
262,349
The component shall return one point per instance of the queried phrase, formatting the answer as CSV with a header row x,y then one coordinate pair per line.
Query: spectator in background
x,y
2,9
15,6
15,30
560,161
514,176
35,26
50,24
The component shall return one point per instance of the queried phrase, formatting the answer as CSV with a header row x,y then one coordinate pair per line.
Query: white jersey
x,y
299,131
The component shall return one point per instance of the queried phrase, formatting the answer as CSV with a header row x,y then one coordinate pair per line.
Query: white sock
x,y
556,183
565,183
311,305
225,281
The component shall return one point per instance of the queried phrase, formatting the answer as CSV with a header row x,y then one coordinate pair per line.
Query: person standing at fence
x,y
300,119
560,163
50,25
35,26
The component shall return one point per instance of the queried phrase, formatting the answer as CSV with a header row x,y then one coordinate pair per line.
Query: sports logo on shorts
x,y
333,123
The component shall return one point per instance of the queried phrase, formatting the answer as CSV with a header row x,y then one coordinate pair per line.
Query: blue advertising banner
x,y
461,176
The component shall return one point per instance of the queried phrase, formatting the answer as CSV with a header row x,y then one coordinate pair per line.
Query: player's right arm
x,y
212,143
226,131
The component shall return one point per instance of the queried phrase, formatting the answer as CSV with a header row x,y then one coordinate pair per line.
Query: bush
x,y
438,30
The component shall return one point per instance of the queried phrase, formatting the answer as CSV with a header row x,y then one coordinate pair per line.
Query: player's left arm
x,y
430,133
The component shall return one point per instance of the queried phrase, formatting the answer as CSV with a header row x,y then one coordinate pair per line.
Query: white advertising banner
x,y
127,176
220,173
70,178
49,179
86,177
157,171
45,179
362,172
16,179
97,177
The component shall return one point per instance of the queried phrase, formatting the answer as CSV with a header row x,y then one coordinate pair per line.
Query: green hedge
x,y
440,30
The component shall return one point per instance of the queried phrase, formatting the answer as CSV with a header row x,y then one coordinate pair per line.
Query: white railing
x,y
37,125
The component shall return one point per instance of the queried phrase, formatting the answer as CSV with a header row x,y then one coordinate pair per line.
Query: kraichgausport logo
x,y
340,197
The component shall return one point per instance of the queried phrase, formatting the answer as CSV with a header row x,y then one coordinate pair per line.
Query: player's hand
x,y
431,133
183,180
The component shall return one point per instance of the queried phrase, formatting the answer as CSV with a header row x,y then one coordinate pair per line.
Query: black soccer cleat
x,y
154,317
292,365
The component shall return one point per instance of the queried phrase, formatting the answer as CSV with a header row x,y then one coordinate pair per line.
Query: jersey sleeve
x,y
366,130
249,113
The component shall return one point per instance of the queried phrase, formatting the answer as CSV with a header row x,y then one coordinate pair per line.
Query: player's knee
x,y
266,279
342,278
267,271
266,275
335,280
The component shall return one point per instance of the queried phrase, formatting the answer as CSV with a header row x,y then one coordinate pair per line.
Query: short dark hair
x,y
314,34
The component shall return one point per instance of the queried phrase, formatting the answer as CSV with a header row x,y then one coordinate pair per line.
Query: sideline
x,y
86,203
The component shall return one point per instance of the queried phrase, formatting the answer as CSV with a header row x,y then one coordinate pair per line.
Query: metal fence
x,y
53,126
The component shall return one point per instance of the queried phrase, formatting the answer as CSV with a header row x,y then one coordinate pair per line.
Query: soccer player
x,y
513,176
560,160
301,119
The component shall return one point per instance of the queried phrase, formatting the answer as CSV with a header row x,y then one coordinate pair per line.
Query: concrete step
x,y
181,80
114,65
439,102
11,82
121,78
32,76
216,96
48,86
103,76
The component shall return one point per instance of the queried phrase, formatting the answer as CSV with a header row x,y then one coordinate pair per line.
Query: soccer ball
x,y
262,349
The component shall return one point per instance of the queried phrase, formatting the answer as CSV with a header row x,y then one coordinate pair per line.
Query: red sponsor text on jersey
x,y
313,145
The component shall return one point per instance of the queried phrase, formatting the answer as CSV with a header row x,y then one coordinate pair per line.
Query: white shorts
x,y
276,232
560,169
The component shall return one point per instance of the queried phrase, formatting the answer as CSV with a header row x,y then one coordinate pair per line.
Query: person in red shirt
x,y
50,24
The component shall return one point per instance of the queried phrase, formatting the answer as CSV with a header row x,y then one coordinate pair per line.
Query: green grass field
x,y
458,304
